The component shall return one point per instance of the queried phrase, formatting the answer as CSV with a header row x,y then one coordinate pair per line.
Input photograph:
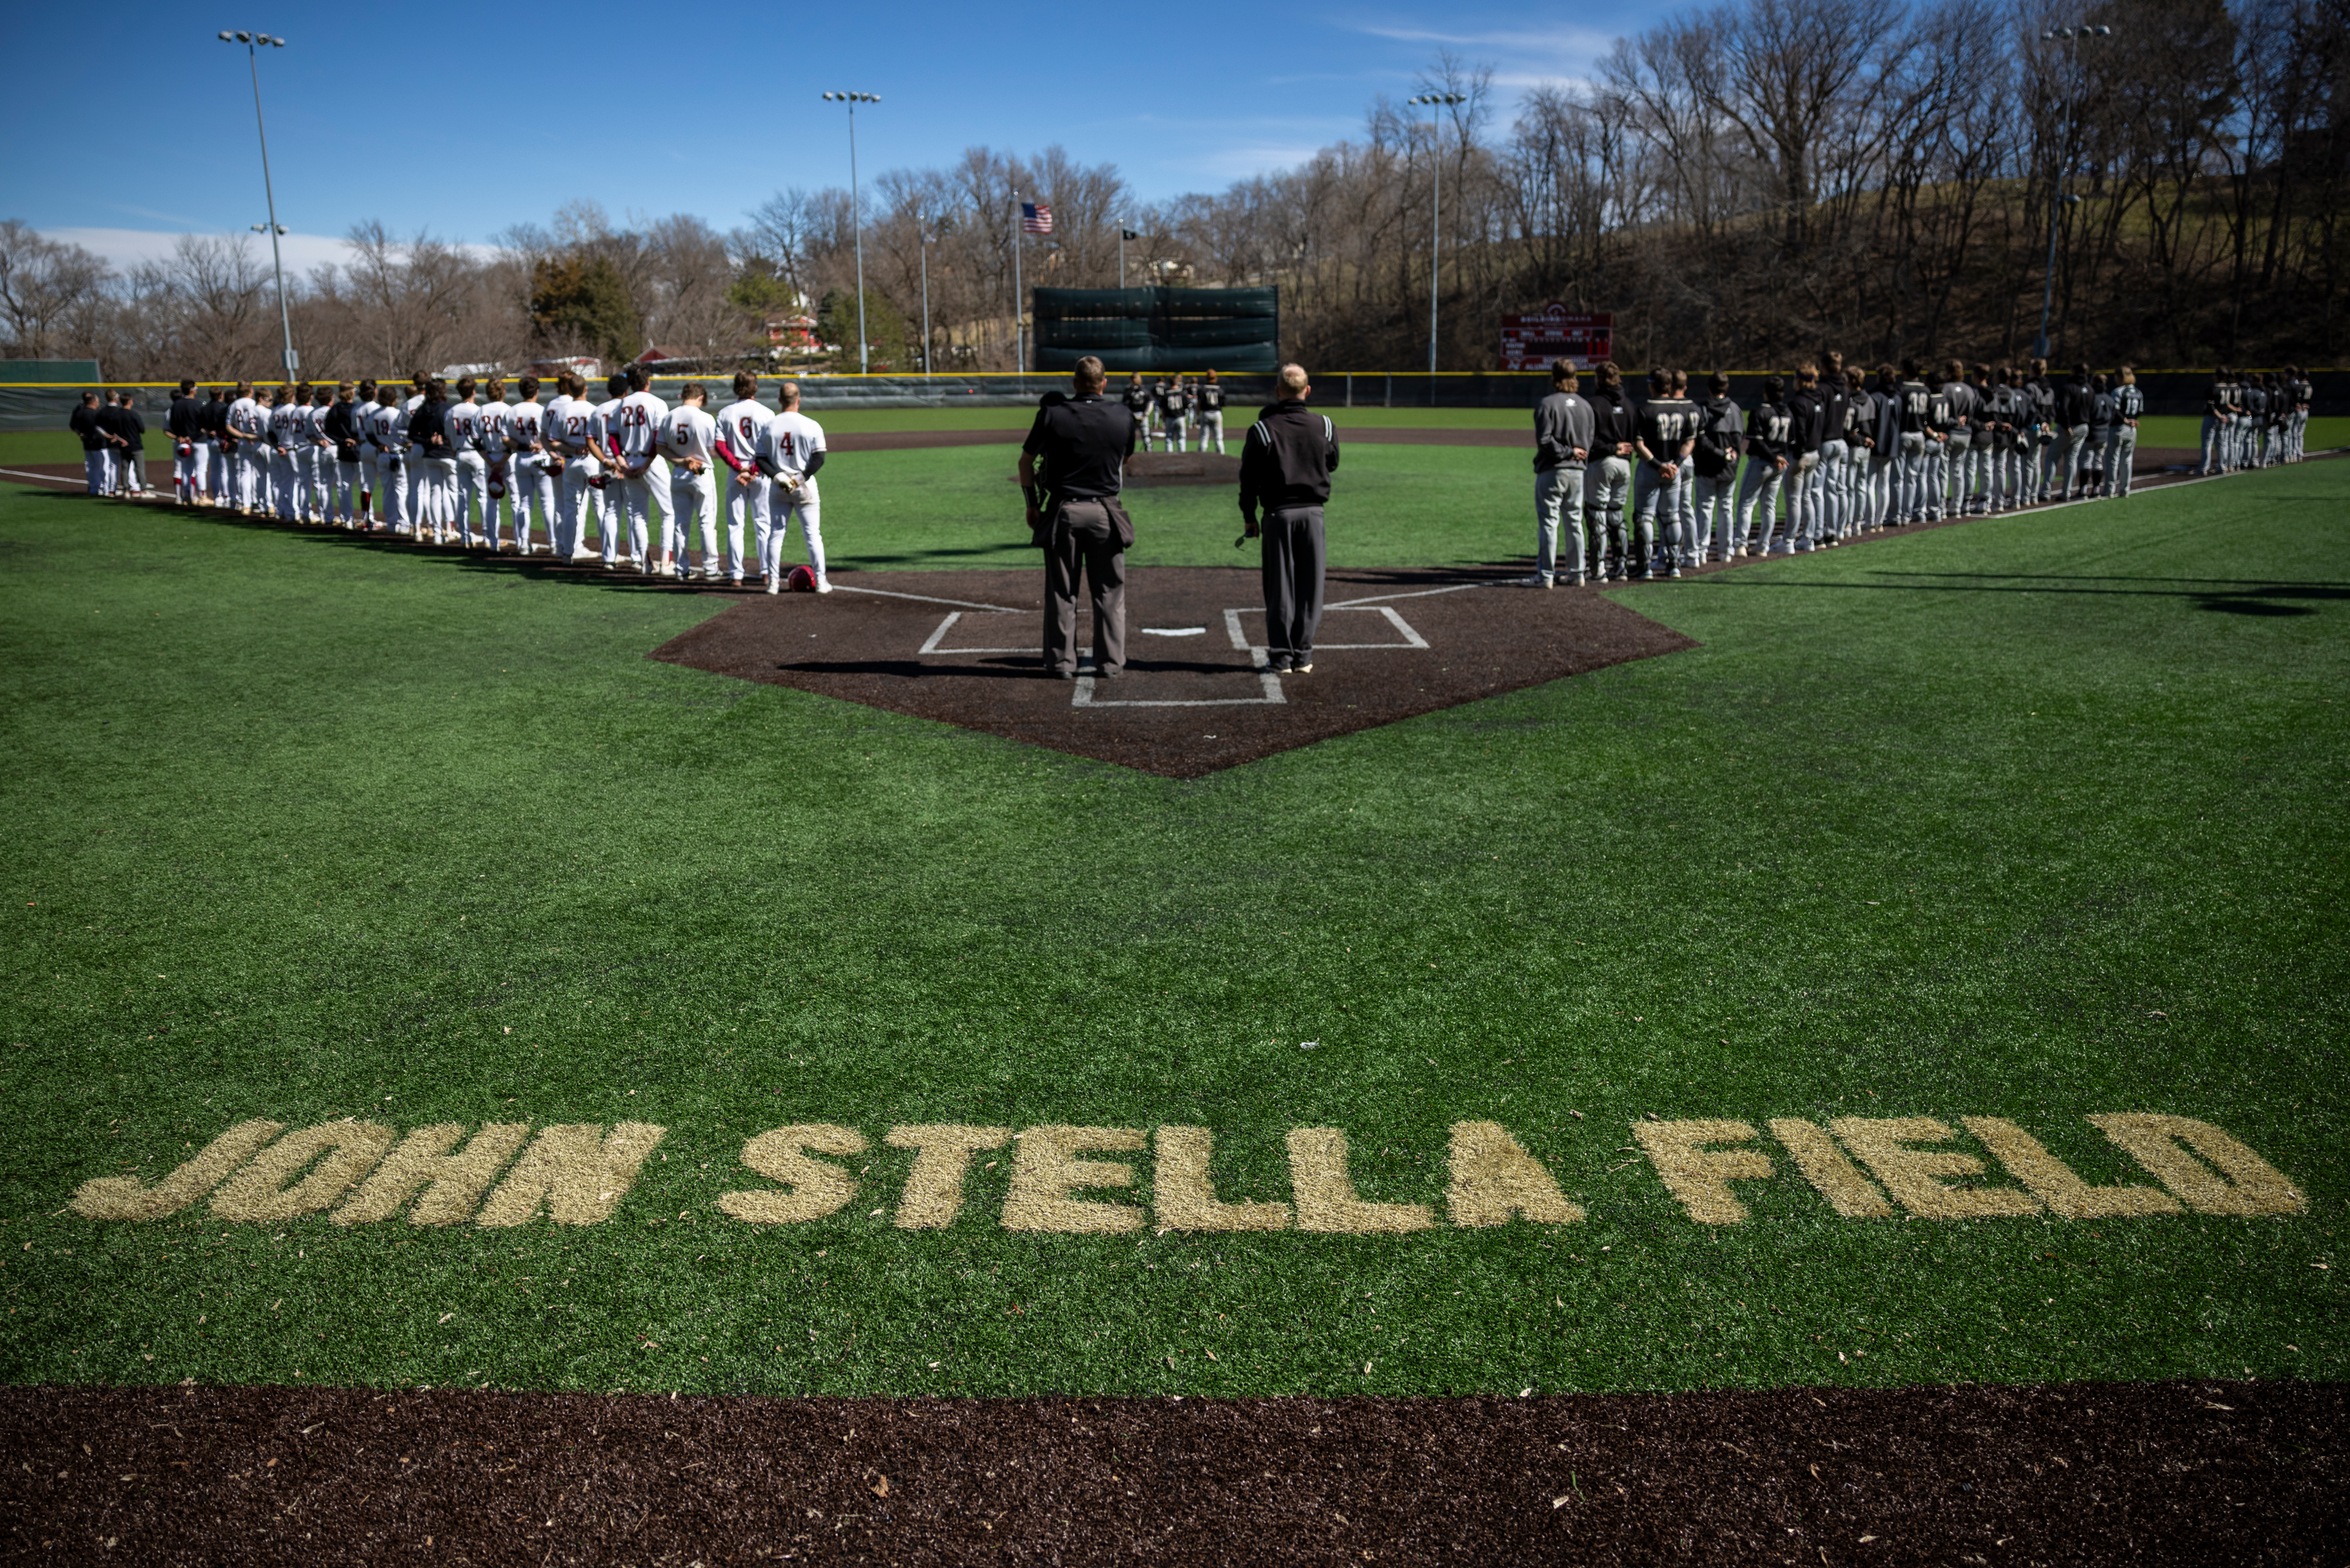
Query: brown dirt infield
x,y
2191,1473
962,647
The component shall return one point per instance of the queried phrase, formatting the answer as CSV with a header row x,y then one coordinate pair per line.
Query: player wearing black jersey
x,y
1137,398
2011,421
1917,436
2075,404
1608,478
2041,389
1715,463
1769,431
1665,434
2215,423
1835,451
1208,399
2102,415
1175,416
1958,439
1885,453
1803,460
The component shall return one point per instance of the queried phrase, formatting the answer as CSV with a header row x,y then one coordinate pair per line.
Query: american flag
x,y
1035,218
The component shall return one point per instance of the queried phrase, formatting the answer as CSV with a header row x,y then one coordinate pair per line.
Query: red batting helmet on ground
x,y
800,580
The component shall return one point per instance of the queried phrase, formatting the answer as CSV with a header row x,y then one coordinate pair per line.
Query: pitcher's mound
x,y
1196,695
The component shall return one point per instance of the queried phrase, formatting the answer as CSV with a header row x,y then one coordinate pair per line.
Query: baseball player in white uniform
x,y
417,479
318,456
287,420
741,426
498,478
530,488
244,424
387,442
610,505
790,451
465,428
688,439
634,432
571,433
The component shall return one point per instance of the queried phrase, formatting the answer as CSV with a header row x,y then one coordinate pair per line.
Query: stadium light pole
x,y
857,215
254,42
2071,38
1437,104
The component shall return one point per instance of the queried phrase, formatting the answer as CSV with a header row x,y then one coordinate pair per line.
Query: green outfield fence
x,y
45,405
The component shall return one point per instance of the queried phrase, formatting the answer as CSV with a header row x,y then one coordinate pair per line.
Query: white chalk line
x,y
925,598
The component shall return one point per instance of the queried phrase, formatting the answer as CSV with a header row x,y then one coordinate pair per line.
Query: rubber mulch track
x,y
2080,1473
1187,704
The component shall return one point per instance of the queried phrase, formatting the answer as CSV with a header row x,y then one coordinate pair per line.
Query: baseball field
x,y
1850,1071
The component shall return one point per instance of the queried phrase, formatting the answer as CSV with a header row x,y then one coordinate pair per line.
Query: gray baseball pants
x,y
1292,563
1558,504
1084,542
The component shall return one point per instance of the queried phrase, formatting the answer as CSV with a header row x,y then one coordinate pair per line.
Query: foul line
x,y
47,479
924,598
1418,593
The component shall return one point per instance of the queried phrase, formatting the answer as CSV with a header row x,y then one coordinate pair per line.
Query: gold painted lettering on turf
x,y
2228,1179
1183,1194
303,1172
1831,1174
1699,1176
1325,1190
1920,1179
2054,1183
452,1184
1046,1170
943,1152
123,1198
574,1172
1493,1180
813,1188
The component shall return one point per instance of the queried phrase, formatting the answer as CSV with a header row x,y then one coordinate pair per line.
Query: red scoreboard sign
x,y
1531,342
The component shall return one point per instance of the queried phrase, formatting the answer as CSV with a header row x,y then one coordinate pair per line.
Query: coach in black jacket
x,y
1285,468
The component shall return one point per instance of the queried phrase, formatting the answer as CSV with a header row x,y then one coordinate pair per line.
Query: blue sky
x,y
131,122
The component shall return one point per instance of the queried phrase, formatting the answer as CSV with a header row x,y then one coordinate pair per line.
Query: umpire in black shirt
x,y
1285,468
1071,468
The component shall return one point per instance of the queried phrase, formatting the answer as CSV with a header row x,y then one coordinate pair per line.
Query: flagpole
x,y
1019,336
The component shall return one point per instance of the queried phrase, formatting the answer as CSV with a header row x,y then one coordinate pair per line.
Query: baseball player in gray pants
x,y
2121,446
1562,444
1610,487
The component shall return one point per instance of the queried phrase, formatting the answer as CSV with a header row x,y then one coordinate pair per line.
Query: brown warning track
x,y
2081,1473
962,647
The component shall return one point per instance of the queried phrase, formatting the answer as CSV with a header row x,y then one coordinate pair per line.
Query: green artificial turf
x,y
2036,817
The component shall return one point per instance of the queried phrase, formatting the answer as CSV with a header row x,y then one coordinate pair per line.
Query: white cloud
x,y
126,248
1520,58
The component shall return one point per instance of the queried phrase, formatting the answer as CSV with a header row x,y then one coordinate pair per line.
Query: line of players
x,y
1630,489
461,465
114,437
1165,411
2254,419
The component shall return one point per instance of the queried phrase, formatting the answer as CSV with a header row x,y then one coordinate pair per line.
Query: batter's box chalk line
x,y
1269,693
